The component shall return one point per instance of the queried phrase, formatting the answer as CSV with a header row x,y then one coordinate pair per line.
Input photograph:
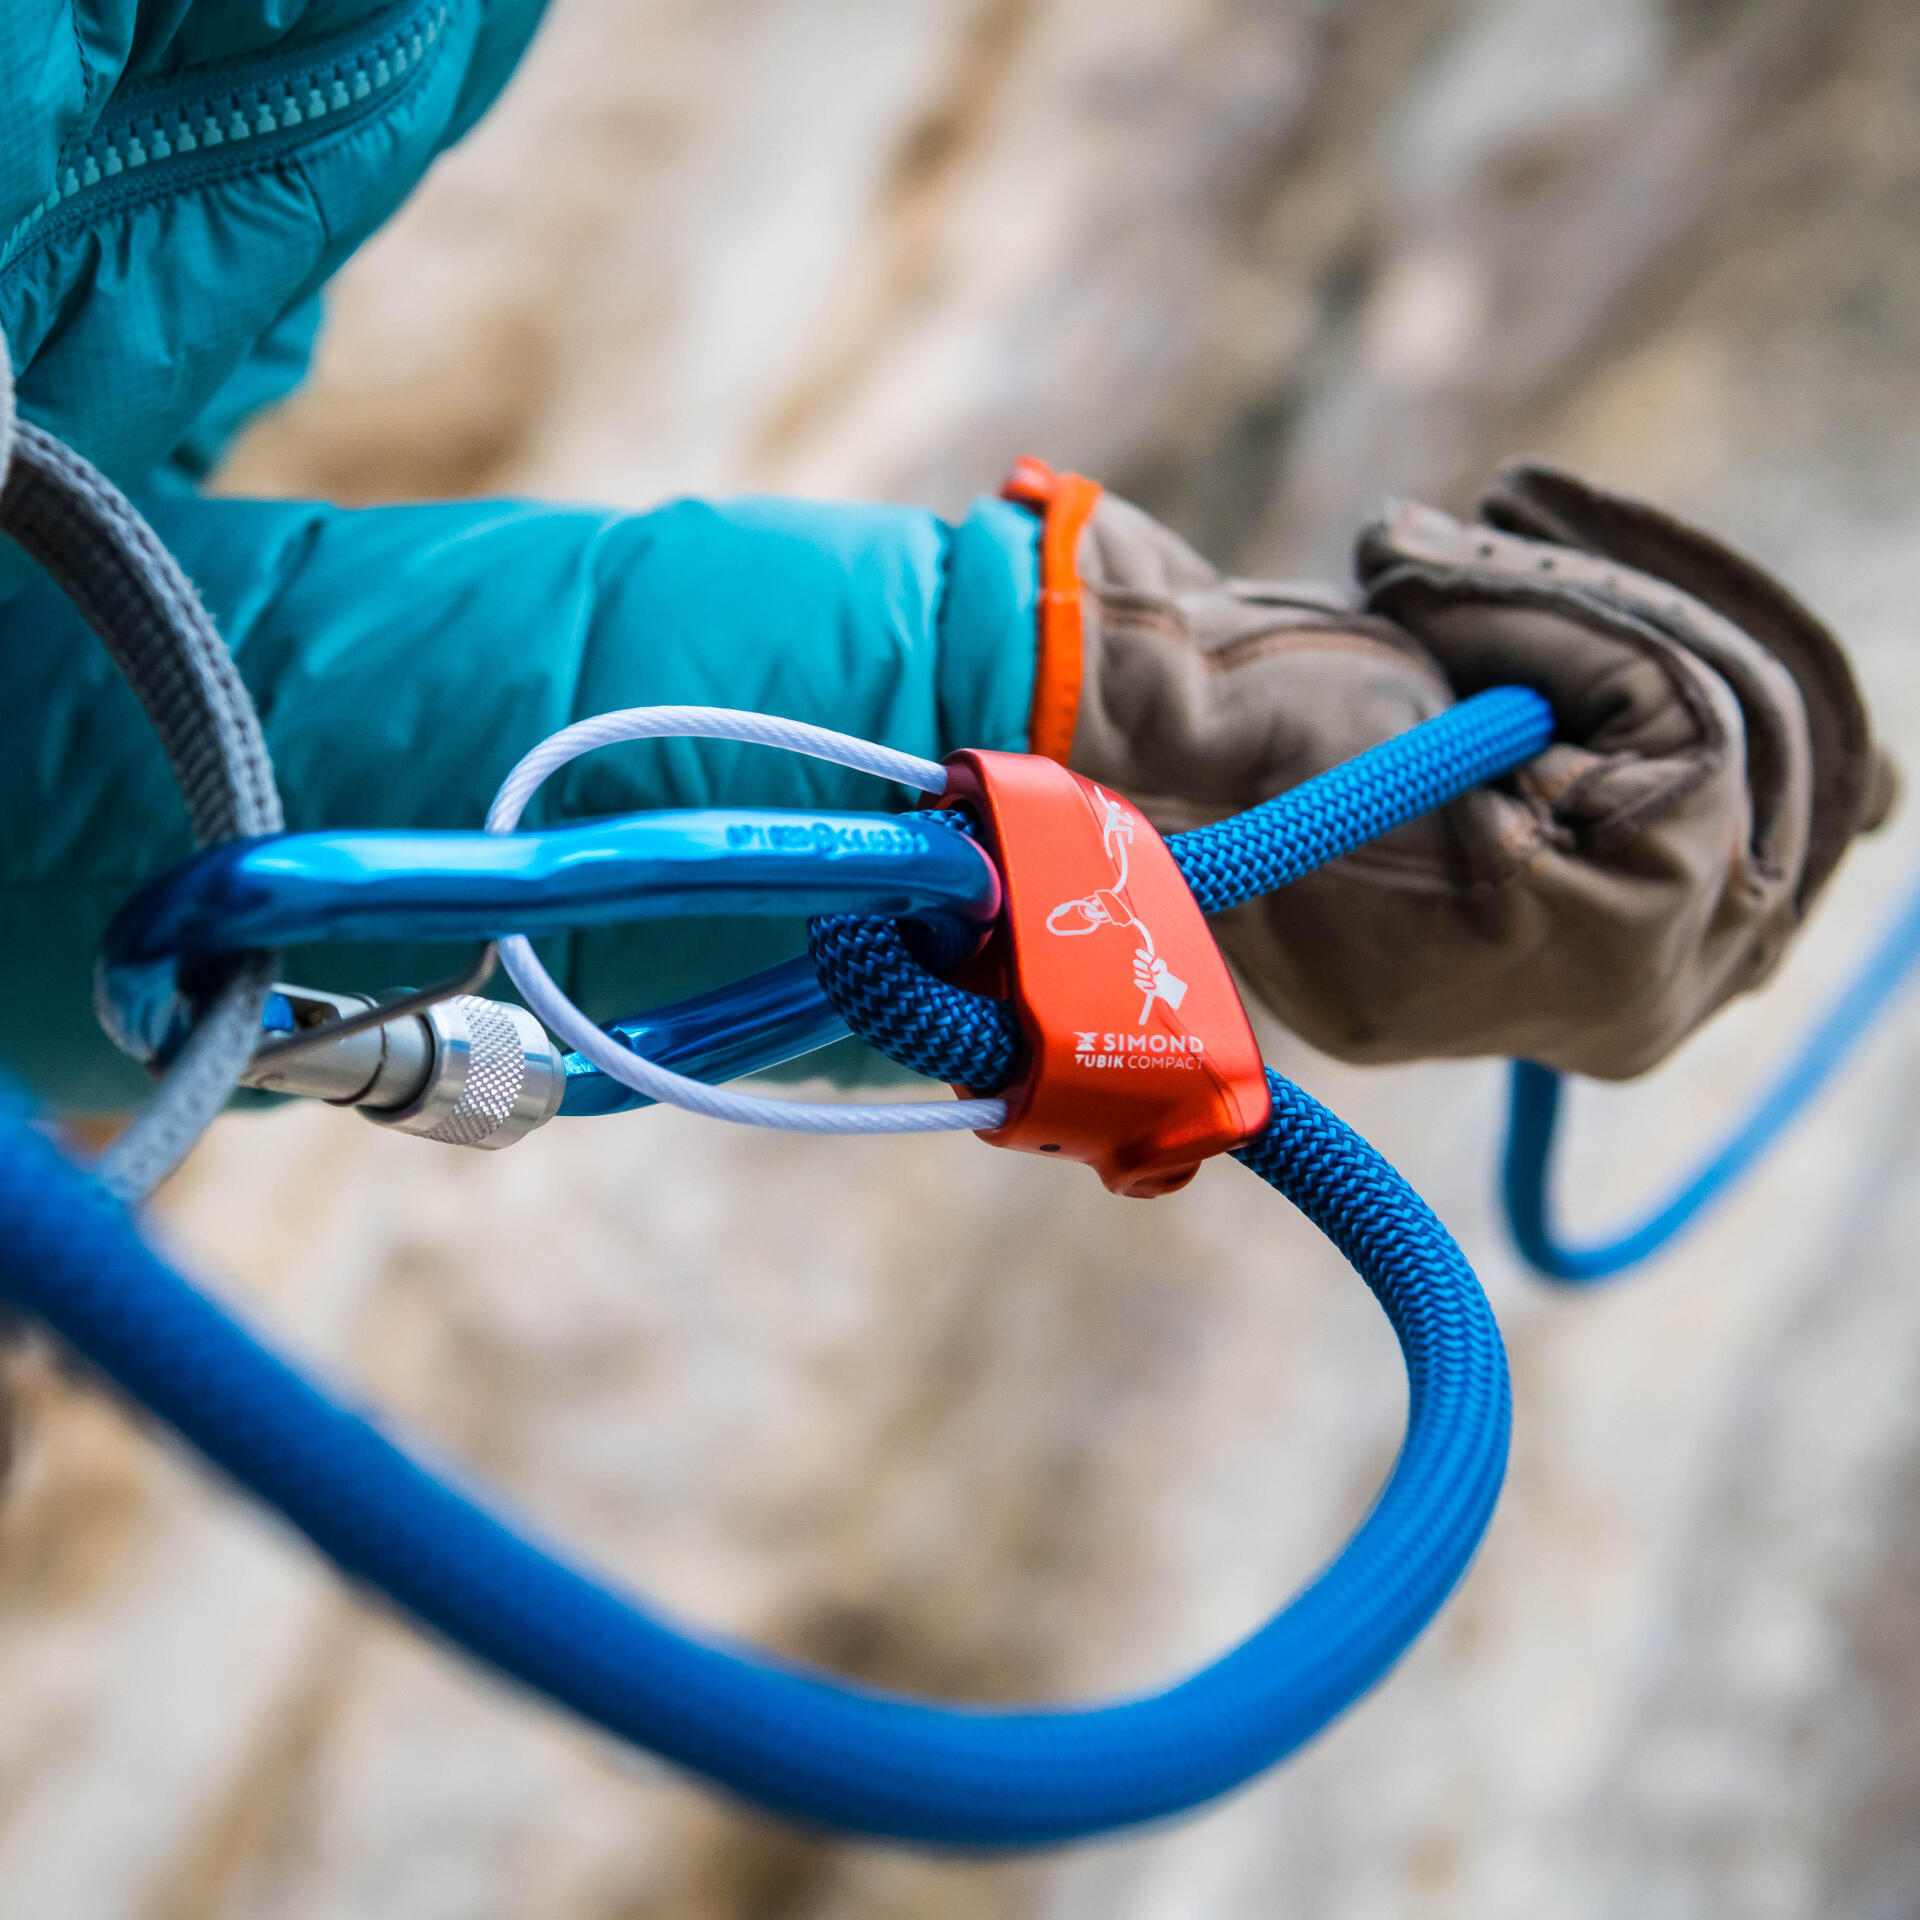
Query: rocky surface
x,y
950,1419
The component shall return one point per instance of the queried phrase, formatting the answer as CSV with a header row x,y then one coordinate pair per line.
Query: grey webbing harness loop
x,y
96,547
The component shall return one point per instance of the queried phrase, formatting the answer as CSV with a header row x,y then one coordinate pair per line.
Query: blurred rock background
x,y
950,1419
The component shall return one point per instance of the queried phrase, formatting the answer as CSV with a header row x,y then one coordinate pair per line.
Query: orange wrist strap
x,y
1065,502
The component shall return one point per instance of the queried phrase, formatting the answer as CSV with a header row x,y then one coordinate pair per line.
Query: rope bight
x,y
793,1740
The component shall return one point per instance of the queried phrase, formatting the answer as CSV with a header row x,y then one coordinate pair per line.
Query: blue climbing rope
x,y
797,1741
1534,1108
926,1023
793,1740
1275,843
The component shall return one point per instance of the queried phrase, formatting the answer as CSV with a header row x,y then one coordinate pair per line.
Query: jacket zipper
x,y
170,134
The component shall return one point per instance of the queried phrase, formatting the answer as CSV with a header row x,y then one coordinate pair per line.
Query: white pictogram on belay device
x,y
1107,909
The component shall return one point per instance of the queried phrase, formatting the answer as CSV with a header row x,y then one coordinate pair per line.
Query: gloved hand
x,y
1713,761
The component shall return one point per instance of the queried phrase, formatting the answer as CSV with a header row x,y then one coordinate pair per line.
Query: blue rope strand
x,y
789,1738
1534,1107
1273,844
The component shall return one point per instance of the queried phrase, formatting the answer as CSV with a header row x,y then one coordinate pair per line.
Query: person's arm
x,y
1712,758
403,658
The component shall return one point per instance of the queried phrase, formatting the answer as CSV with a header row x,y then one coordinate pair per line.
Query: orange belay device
x,y
1140,1059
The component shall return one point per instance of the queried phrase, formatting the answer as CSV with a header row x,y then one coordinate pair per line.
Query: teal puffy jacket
x,y
178,179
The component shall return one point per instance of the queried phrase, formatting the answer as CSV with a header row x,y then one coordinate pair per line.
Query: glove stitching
x,y
1311,637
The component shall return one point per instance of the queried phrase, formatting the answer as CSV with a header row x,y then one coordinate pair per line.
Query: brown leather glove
x,y
1713,761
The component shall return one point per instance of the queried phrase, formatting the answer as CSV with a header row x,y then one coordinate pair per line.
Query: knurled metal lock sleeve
x,y
493,1078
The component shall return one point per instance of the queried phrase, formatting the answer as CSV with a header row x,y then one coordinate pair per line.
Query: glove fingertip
x,y
1885,788
1399,527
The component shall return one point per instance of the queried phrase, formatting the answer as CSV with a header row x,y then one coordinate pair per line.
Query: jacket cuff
x,y
987,622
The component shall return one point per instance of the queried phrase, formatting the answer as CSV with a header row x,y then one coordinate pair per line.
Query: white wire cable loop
x,y
543,995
